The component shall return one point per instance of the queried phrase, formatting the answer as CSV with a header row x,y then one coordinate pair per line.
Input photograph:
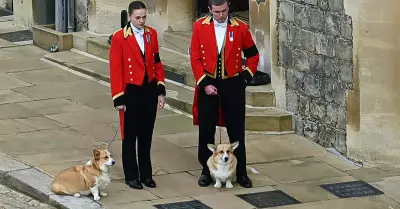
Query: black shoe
x,y
204,181
149,182
135,184
244,181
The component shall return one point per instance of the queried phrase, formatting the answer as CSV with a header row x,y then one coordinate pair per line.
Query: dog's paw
x,y
96,197
229,185
103,194
217,185
77,195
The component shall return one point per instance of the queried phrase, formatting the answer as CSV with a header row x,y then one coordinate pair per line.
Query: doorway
x,y
237,8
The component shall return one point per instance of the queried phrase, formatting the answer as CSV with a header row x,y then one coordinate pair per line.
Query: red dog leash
x,y
220,119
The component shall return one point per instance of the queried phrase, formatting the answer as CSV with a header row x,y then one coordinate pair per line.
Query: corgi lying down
x,y
85,179
222,164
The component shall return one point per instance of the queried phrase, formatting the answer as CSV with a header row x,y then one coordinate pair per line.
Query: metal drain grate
x,y
24,35
5,12
269,199
194,204
351,189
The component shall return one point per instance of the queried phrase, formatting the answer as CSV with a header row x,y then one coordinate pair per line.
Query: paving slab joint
x,y
31,181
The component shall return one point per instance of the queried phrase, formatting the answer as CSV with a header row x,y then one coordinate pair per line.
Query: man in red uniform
x,y
137,87
215,53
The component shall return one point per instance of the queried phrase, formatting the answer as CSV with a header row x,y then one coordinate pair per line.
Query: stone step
x,y
80,39
177,40
177,68
257,118
178,95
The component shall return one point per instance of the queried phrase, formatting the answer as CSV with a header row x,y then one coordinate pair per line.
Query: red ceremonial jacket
x,y
127,65
204,55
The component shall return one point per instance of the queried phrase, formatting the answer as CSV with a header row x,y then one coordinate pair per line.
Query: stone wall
x,y
23,13
81,15
259,16
315,51
104,16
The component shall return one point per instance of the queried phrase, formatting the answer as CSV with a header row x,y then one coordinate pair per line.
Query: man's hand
x,y
210,90
161,101
121,108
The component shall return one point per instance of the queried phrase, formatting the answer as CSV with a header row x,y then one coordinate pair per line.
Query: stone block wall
x,y
316,51
81,15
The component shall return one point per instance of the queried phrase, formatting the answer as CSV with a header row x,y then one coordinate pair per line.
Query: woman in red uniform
x,y
137,85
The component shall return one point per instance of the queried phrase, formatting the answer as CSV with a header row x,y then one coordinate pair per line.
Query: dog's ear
x,y
96,154
211,147
234,145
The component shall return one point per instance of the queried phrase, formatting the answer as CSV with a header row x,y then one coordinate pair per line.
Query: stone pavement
x,y
11,199
51,119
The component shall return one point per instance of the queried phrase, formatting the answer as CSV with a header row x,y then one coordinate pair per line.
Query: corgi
x,y
222,164
85,179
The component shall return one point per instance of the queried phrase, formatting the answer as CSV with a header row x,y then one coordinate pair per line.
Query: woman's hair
x,y
135,5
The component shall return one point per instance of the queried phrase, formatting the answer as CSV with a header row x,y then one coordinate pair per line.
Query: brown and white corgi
x,y
85,179
222,164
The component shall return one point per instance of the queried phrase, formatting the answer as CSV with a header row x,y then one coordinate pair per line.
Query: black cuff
x,y
205,82
161,90
246,76
119,100
157,58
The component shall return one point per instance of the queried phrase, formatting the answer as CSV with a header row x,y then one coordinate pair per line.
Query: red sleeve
x,y
116,72
159,72
195,58
250,51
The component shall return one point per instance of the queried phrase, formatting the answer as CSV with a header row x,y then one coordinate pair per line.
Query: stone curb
x,y
35,183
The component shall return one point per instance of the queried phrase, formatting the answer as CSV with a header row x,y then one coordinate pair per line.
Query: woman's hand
x,y
161,101
121,108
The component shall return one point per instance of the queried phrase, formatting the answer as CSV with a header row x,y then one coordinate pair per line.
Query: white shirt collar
x,y
136,30
223,24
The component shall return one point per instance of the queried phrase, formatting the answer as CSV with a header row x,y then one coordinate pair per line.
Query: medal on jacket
x,y
230,35
148,38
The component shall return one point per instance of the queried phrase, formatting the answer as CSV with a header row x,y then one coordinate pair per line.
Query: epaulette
x,y
205,20
235,21
117,31
148,28
241,21
201,18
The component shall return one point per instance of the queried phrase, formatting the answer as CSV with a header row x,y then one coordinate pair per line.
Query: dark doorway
x,y
238,8
239,5
44,11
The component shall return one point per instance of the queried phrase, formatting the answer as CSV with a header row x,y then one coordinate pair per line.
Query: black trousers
x,y
231,93
139,119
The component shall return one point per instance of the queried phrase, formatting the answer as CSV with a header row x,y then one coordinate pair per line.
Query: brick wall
x,y
315,50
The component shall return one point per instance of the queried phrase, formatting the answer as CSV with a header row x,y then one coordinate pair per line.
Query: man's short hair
x,y
135,5
217,2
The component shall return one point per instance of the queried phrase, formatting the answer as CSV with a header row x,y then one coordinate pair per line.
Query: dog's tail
x,y
252,170
59,189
